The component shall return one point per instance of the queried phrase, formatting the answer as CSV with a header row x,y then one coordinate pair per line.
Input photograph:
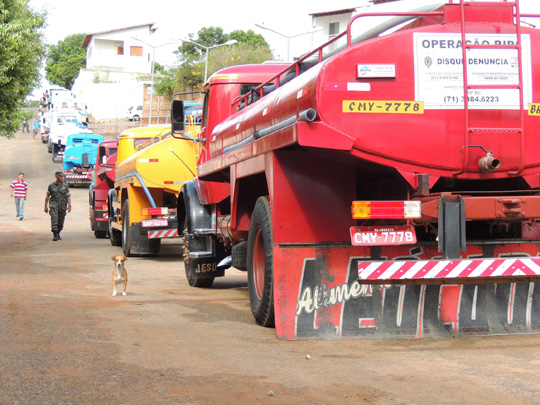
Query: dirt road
x,y
64,339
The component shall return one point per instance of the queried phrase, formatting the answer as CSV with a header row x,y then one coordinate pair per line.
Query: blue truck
x,y
80,158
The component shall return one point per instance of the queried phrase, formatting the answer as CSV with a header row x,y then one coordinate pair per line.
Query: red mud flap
x,y
317,294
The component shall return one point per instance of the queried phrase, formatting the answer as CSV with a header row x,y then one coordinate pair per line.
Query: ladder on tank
x,y
517,129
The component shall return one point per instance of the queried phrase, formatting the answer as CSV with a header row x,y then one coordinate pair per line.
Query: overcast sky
x,y
177,18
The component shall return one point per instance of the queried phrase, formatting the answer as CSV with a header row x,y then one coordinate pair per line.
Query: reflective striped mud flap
x,y
317,293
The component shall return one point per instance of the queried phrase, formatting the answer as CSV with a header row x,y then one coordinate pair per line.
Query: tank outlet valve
x,y
489,163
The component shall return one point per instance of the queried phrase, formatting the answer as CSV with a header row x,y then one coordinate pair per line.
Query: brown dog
x,y
119,275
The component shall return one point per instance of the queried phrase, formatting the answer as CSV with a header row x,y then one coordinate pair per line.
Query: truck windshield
x,y
139,141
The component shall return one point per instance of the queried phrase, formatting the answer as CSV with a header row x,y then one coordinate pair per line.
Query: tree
x,y
251,48
207,37
249,38
21,53
65,60
239,54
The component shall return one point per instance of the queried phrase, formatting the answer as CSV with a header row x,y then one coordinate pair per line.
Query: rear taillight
x,y
154,211
386,209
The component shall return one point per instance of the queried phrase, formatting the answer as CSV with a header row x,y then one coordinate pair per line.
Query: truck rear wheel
x,y
260,264
126,230
91,204
115,236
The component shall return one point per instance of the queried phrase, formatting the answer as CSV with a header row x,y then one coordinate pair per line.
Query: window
x,y
205,109
136,51
139,141
119,50
333,31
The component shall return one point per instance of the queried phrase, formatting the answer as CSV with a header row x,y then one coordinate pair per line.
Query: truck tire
x,y
115,236
126,230
239,256
260,264
91,204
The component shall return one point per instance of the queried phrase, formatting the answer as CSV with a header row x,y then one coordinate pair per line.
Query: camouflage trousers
x,y
57,218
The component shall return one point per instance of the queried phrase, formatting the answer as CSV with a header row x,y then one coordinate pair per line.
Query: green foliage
x,y
27,115
239,54
165,83
65,60
31,104
101,79
206,37
251,48
21,53
249,38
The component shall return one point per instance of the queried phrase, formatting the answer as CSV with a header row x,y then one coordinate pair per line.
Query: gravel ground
x,y
65,340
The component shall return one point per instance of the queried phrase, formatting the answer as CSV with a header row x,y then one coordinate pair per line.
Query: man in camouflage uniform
x,y
58,199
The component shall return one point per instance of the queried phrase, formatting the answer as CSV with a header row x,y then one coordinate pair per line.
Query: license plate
x,y
147,223
383,235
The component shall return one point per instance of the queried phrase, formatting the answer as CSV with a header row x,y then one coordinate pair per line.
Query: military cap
x,y
59,174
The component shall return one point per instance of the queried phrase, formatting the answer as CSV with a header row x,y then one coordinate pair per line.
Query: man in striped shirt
x,y
18,190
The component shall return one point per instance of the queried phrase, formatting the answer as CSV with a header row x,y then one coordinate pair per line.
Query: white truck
x,y
63,123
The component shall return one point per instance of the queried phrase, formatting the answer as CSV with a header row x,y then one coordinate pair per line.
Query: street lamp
x,y
207,48
152,69
288,36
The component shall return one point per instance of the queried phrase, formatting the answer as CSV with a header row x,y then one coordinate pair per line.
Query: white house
x,y
334,22
118,50
115,60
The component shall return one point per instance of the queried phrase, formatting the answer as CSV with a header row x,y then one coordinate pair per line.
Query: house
x,y
116,60
118,50
334,22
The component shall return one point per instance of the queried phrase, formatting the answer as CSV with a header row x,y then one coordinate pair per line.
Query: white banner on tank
x,y
438,68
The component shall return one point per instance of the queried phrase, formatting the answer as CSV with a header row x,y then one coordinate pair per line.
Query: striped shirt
x,y
19,188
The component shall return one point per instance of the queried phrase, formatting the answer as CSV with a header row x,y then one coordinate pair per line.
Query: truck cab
x,y
103,177
80,158
61,124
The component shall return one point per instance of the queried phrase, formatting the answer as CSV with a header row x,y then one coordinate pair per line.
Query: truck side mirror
x,y
177,116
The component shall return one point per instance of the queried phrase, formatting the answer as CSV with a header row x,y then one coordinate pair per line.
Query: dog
x,y
119,275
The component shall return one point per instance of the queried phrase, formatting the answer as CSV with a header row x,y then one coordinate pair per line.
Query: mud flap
x,y
140,244
316,295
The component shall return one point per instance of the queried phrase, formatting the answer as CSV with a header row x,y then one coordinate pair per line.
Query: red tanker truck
x,y
389,188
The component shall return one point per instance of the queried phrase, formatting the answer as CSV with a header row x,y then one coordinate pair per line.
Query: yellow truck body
x,y
148,183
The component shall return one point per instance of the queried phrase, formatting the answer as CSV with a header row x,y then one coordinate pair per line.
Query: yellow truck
x,y
144,201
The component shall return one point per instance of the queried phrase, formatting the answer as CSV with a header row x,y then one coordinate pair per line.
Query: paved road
x,y
64,339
